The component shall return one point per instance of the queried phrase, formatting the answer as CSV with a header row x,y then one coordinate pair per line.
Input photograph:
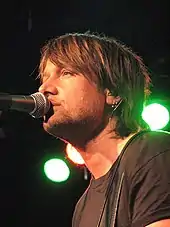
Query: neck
x,y
100,153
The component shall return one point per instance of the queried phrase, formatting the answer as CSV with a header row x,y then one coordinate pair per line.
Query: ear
x,y
111,99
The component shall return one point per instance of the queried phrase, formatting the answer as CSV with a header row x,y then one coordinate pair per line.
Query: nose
x,y
48,88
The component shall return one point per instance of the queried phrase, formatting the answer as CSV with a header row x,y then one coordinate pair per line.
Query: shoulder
x,y
145,147
147,178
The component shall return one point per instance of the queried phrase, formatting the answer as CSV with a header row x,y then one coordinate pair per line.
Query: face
x,y
77,104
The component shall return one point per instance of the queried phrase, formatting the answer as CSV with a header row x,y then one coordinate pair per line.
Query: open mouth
x,y
48,114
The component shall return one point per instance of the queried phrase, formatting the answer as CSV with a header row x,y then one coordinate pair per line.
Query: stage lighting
x,y
156,116
74,155
56,170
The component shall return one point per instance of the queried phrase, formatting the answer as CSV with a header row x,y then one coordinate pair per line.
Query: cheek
x,y
84,99
93,103
73,97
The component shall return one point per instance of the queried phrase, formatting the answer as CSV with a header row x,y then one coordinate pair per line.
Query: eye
x,y
65,73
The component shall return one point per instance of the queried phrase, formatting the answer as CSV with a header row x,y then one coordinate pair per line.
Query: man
x,y
97,88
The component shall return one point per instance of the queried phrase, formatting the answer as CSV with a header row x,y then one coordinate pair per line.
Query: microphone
x,y
37,105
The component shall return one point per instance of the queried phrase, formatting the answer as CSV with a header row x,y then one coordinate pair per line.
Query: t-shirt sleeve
x,y
150,191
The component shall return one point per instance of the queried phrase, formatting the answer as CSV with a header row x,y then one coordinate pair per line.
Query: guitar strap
x,y
109,213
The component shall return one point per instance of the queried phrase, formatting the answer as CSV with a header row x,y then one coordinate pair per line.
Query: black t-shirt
x,y
145,195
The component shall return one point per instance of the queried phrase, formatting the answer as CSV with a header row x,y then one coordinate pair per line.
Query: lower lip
x,y
49,114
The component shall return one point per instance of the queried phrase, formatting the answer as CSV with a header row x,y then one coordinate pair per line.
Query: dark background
x,y
27,197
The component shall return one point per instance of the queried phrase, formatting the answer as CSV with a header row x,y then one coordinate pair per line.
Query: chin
x,y
50,130
49,125
45,126
54,127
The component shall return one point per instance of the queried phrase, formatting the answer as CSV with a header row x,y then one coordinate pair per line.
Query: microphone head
x,y
42,105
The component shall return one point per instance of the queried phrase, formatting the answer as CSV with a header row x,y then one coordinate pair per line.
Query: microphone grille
x,y
42,105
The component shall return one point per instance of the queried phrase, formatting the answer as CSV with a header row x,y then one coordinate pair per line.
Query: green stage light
x,y
156,116
56,170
